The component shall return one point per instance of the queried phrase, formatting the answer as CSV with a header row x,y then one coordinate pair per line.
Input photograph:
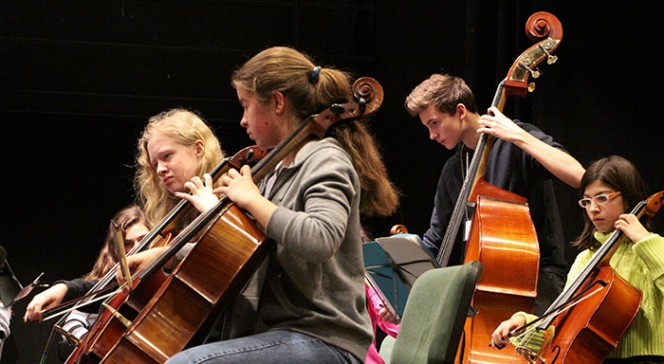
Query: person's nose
x,y
594,206
161,168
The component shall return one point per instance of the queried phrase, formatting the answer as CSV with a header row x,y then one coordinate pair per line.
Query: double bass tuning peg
x,y
526,62
545,46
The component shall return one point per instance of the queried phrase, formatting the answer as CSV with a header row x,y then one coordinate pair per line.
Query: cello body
x,y
110,326
503,238
590,330
150,325
210,276
228,248
599,305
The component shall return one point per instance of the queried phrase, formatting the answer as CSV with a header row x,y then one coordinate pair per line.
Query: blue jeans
x,y
276,346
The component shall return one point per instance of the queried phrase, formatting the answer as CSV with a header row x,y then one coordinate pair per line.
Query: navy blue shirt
x,y
514,170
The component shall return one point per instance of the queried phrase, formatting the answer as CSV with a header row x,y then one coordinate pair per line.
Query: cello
x,y
595,310
229,247
502,232
160,235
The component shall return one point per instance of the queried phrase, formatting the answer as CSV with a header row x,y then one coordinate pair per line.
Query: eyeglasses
x,y
599,199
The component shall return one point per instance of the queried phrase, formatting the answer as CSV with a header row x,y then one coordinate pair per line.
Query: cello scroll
x,y
368,94
398,229
653,204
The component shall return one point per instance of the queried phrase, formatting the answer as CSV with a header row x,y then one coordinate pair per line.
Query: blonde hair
x,y
186,128
125,218
312,89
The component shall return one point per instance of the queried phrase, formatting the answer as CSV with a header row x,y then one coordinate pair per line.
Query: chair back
x,y
434,316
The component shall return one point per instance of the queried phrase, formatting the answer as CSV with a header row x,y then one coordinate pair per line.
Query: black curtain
x,y
80,78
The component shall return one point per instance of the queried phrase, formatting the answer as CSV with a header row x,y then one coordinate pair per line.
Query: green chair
x,y
434,317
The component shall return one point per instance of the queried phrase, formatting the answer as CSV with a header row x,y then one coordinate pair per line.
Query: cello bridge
x,y
71,338
126,322
531,356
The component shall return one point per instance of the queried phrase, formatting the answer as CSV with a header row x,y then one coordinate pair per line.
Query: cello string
x,y
527,346
102,282
582,296
527,334
523,349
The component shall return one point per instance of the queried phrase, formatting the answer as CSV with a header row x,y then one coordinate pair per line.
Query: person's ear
x,y
278,102
199,148
461,111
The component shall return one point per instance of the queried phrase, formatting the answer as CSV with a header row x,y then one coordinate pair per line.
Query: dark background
x,y
78,80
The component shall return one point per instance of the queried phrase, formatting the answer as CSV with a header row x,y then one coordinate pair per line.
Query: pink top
x,y
374,304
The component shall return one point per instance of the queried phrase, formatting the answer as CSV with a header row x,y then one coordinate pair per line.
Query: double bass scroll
x,y
502,235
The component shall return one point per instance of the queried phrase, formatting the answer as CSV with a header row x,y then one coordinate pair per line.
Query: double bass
x,y
502,235
229,247
595,310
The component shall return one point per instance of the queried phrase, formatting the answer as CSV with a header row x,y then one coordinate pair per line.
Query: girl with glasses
x,y
611,187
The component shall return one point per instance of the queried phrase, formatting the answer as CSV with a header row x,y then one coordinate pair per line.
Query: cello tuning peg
x,y
337,109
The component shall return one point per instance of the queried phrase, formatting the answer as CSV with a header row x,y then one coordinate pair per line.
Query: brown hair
x,y
312,89
443,91
619,174
125,218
